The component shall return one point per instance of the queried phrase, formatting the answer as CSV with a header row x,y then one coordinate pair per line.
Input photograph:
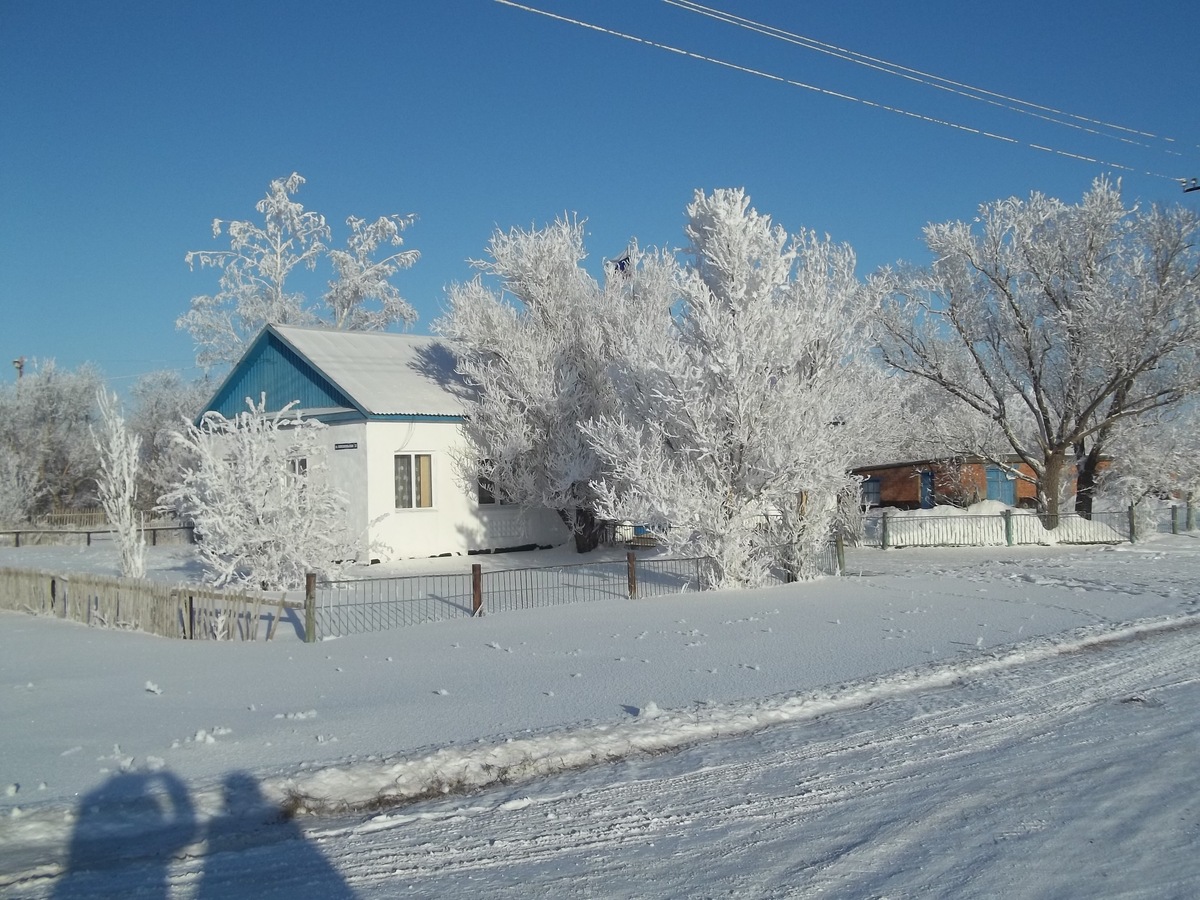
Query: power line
x,y
962,89
658,45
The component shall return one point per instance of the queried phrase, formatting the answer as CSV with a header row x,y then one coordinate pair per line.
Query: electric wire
x,y
962,89
658,45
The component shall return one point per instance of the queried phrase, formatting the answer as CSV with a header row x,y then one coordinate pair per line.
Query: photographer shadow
x,y
253,848
130,831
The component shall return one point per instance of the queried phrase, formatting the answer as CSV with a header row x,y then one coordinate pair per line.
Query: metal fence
x,y
347,607
380,604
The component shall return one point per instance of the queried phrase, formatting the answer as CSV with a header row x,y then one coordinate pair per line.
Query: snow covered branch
x,y
259,495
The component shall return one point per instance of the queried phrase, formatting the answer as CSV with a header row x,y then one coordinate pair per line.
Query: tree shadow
x,y
436,363
131,829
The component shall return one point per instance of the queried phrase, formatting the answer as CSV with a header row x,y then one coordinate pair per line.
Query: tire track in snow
x,y
595,832
853,756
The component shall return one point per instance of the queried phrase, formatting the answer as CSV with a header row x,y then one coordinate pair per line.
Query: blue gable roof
x,y
273,367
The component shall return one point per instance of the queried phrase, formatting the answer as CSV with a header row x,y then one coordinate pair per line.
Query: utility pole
x,y
19,365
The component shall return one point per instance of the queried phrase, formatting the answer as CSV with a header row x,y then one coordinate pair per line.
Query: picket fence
x,y
183,611
889,530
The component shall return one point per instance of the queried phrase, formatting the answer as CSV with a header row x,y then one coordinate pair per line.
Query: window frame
x,y
414,492
872,492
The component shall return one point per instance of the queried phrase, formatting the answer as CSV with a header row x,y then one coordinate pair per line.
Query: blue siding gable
x,y
272,367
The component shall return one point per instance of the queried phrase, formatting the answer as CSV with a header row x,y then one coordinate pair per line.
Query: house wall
x,y
348,472
456,523
900,486
968,483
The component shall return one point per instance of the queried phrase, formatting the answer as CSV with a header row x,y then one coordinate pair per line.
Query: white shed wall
x,y
348,472
456,523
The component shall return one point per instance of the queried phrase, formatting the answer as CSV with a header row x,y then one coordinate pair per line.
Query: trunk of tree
x,y
1050,488
1087,470
587,529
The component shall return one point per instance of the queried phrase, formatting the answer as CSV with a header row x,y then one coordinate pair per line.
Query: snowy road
x,y
1061,769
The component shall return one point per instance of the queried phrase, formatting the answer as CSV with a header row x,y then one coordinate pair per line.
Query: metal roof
x,y
383,373
345,375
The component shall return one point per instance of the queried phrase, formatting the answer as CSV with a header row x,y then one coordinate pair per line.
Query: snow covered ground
x,y
959,723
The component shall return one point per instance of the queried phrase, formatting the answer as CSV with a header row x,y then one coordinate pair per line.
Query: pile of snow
x,y
394,783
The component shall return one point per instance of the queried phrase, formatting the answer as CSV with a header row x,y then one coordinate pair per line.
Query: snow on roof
x,y
383,372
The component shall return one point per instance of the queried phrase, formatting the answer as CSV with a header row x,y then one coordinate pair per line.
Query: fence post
x,y
883,531
1190,521
476,589
1008,528
191,618
17,535
310,607
839,544
1132,525
631,565
1175,519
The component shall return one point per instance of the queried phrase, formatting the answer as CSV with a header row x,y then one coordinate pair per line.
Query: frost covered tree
x,y
738,422
119,451
160,401
260,497
537,350
254,289
1056,322
47,460
1155,457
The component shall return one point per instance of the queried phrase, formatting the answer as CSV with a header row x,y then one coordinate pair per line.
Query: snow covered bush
x,y
160,401
721,402
254,273
1153,464
540,353
1158,458
117,484
47,459
742,412
18,489
260,497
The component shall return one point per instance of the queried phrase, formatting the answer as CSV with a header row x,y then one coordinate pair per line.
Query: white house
x,y
394,407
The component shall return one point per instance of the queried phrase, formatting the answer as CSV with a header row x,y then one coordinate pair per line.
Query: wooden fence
x,y
32,535
181,611
93,519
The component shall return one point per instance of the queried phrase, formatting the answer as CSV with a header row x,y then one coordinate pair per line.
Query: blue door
x,y
1000,486
927,490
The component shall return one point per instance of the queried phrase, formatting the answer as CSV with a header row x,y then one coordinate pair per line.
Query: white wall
x,y
348,473
456,523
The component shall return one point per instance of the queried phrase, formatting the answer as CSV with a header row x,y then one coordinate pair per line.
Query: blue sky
x,y
126,127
